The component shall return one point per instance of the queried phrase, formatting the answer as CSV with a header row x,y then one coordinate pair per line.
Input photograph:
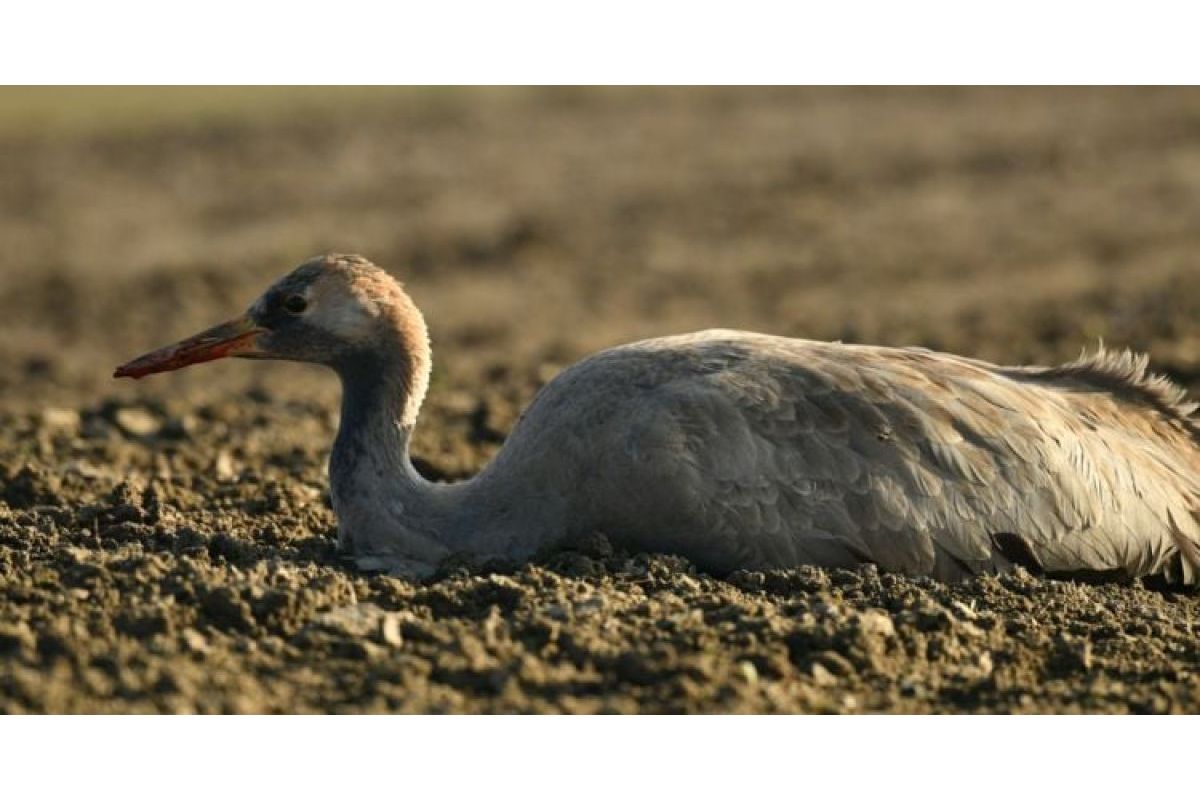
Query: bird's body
x,y
740,450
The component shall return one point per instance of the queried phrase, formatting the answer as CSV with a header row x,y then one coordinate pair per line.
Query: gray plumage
x,y
746,451
739,450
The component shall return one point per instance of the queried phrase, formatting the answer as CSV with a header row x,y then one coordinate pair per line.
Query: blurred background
x,y
533,226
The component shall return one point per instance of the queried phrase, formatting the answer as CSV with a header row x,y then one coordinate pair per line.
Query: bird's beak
x,y
234,338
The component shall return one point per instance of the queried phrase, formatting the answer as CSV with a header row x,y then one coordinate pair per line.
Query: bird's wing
x,y
802,452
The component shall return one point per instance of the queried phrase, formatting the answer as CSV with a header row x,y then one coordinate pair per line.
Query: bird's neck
x,y
383,387
379,410
388,514
393,374
382,503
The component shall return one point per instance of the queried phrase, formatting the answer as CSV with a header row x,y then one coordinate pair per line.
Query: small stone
x,y
354,619
137,422
223,466
963,610
821,676
61,419
748,672
390,632
1085,655
194,640
876,623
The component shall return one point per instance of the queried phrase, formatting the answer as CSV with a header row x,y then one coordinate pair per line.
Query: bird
x,y
745,451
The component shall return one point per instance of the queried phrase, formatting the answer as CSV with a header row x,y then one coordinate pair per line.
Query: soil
x,y
168,545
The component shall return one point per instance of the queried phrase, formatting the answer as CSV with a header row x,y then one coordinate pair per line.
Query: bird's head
x,y
330,310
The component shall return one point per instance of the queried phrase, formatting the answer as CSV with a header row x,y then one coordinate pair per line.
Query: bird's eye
x,y
295,304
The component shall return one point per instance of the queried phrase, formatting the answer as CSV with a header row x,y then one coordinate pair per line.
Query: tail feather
x,y
1189,549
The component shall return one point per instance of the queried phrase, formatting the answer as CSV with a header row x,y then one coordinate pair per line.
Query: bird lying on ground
x,y
745,451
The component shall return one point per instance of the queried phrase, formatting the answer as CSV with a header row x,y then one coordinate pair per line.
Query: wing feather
x,y
806,452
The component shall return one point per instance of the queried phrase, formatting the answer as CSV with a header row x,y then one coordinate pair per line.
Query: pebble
x,y
963,610
223,466
61,419
137,422
194,640
876,623
390,631
353,618
822,676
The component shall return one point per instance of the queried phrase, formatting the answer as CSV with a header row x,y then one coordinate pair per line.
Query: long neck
x,y
384,506
387,512
378,415
383,387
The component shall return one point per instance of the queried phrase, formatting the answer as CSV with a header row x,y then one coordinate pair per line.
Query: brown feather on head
x,y
328,310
